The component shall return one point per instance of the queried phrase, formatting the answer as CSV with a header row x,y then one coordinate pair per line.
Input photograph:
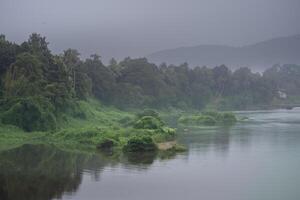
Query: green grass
x,y
208,118
94,124
11,137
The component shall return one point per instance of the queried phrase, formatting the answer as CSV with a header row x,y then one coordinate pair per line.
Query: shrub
x,y
148,112
177,148
126,121
198,120
184,120
206,120
216,115
168,131
148,122
140,143
30,114
77,109
229,118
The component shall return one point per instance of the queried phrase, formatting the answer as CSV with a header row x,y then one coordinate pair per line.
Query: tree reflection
x,y
44,172
39,172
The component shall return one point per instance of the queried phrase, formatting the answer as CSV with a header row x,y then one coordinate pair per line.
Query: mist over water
x,y
74,123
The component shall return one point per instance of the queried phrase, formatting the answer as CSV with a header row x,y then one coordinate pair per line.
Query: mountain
x,y
259,56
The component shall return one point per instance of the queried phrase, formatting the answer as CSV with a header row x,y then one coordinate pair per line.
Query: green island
x,y
209,118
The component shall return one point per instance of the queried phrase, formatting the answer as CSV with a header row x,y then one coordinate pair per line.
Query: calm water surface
x,y
254,160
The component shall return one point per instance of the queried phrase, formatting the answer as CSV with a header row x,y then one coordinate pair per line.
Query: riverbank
x,y
99,128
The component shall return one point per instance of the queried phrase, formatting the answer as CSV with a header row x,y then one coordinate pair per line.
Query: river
x,y
258,159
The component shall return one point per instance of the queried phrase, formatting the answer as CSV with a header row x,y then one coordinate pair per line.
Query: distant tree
x,y
221,77
8,53
103,80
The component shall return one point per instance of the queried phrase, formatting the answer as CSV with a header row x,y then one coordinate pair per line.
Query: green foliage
x,y
126,121
208,118
148,122
85,136
164,134
31,114
102,78
285,78
83,85
228,118
148,112
25,77
214,114
36,86
225,117
198,120
30,70
176,148
8,52
140,144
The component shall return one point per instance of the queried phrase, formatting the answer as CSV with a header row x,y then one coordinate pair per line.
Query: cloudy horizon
x,y
134,28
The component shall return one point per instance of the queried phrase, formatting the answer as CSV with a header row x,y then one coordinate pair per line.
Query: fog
x,y
119,28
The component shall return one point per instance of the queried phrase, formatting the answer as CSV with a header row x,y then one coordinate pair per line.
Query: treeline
x,y
36,84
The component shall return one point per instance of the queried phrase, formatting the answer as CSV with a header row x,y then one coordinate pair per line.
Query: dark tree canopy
x,y
30,72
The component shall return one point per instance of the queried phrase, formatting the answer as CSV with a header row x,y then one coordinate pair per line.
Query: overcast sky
x,y
139,27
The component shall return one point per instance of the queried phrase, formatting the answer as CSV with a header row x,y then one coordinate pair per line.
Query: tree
x,y
25,77
8,53
103,80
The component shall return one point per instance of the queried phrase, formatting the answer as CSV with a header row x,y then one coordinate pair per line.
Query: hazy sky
x,y
139,27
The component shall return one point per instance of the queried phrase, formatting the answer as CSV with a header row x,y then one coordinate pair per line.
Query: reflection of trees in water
x,y
38,172
139,159
217,139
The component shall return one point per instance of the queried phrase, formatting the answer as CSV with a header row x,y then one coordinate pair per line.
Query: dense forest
x,y
36,85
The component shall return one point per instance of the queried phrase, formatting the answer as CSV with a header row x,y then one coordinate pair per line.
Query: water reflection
x,y
205,139
44,172
38,172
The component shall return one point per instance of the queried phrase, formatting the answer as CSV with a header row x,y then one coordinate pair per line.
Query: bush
x,y
168,131
30,114
148,112
229,118
151,113
77,109
206,120
198,120
126,121
101,138
140,143
216,115
148,122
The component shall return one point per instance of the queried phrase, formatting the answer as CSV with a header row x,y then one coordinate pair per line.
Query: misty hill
x,y
257,56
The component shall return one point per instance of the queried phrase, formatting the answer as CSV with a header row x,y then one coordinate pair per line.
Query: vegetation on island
x,y
209,119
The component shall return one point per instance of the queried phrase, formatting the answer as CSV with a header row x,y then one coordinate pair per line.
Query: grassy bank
x,y
97,126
